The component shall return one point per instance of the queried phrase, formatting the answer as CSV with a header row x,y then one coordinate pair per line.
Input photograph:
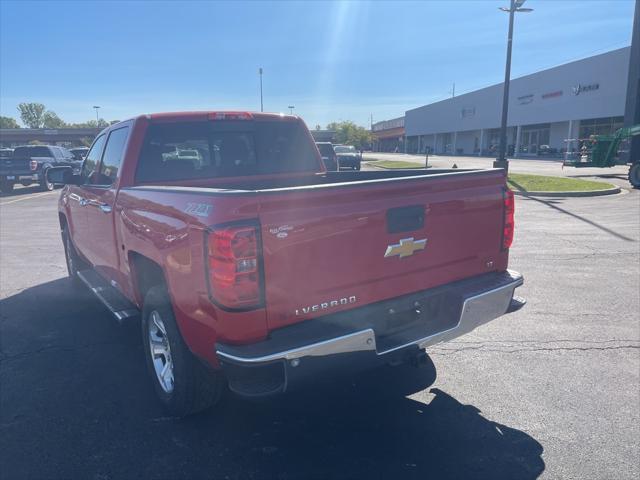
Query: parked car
x,y
6,152
260,270
328,154
79,152
348,157
29,164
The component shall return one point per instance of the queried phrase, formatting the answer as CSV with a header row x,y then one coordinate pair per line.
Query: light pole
x,y
97,107
501,161
261,104
291,107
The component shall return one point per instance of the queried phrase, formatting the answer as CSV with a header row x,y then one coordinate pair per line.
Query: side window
x,y
112,157
92,159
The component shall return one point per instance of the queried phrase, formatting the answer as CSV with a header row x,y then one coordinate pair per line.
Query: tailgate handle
x,y
405,219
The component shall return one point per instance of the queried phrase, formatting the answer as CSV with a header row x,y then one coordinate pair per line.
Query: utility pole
x,y
97,107
453,90
291,107
501,161
261,103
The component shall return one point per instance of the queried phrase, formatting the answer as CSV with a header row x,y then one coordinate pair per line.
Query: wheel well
x,y
146,274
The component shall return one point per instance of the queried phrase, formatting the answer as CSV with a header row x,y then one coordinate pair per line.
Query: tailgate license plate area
x,y
418,318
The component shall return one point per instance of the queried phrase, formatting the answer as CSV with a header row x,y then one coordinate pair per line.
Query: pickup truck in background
x,y
28,164
250,266
348,156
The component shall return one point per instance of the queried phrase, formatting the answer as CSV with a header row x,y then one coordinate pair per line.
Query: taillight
x,y
509,210
235,277
33,165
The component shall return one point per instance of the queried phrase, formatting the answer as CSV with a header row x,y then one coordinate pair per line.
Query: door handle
x,y
105,208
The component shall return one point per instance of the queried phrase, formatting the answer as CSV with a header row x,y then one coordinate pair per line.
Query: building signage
x,y
467,112
557,93
582,87
525,99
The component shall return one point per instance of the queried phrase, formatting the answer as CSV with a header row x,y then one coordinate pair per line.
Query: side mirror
x,y
62,176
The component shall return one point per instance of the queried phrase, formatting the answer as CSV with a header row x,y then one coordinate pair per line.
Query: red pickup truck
x,y
250,266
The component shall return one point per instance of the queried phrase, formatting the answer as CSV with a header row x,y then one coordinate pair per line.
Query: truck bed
x,y
328,179
325,237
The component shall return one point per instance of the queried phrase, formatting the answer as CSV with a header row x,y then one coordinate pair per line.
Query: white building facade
x,y
549,111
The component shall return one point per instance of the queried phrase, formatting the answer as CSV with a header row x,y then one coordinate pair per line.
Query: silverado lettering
x,y
326,305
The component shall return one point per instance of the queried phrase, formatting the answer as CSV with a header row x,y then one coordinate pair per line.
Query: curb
x,y
592,193
417,167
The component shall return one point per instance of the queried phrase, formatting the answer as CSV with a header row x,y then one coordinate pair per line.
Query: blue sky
x,y
332,60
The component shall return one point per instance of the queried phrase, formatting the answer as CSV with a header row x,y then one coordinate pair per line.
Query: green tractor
x,y
602,151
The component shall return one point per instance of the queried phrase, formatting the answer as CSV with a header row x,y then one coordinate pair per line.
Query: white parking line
x,y
26,197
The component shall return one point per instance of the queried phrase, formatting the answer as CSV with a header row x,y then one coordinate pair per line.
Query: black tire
x,y
6,187
45,186
634,175
194,386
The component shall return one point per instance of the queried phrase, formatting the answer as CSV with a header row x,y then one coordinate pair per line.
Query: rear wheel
x,y
6,187
45,185
634,175
183,384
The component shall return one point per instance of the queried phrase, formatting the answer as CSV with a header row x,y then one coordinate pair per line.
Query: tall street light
x,y
291,107
97,107
261,104
501,161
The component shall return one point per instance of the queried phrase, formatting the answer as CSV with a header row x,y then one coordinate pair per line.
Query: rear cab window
x,y
326,150
21,152
228,148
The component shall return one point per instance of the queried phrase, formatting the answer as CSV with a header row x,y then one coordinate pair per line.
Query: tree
x,y
52,120
32,114
8,122
348,133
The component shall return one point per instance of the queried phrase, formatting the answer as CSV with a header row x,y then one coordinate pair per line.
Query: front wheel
x,y
634,175
183,384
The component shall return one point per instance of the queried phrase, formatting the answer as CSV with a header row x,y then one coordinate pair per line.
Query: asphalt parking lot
x,y
552,390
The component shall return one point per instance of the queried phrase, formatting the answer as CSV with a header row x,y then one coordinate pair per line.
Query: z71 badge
x,y
198,209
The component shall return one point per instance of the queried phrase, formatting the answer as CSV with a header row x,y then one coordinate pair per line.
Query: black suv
x,y
328,155
29,163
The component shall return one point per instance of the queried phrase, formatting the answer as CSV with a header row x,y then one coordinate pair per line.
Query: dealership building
x,y
549,111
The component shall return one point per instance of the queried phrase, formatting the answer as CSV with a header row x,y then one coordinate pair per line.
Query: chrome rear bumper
x,y
479,306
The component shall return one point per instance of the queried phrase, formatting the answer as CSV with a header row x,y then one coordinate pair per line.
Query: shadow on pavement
x,y
76,403
553,204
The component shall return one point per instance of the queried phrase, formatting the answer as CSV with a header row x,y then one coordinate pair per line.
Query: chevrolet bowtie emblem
x,y
406,247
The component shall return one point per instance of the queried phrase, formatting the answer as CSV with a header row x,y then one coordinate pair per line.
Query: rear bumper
x,y
348,162
387,332
19,177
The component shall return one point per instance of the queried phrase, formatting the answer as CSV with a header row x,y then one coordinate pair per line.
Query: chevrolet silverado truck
x,y
250,267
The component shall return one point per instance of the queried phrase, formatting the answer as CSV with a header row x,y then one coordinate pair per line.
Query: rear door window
x,y
193,150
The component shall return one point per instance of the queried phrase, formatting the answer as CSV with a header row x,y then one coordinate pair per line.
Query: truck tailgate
x,y
344,246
